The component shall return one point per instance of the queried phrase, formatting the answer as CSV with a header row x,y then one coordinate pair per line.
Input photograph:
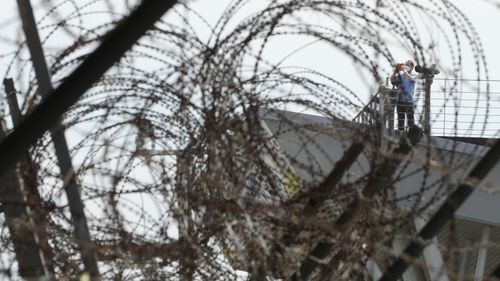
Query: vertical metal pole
x,y
373,269
427,106
29,186
483,252
382,108
390,110
433,257
62,152
429,74
463,263
483,134
18,223
35,47
445,103
10,92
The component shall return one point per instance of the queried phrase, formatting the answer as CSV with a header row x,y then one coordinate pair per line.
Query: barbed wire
x,y
191,164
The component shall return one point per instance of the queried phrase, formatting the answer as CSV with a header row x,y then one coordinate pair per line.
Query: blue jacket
x,y
407,87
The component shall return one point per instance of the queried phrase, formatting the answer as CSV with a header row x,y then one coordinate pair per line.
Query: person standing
x,y
406,95
391,95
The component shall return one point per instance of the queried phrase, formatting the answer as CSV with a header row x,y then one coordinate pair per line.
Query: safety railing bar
x,y
468,114
464,122
477,100
368,106
454,92
469,107
465,92
466,79
469,129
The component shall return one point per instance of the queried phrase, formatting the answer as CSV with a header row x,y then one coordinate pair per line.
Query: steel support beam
x,y
34,46
443,215
428,74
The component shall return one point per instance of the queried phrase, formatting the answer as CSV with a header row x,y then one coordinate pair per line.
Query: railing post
x,y
428,75
483,253
445,101
381,107
29,185
427,106
389,94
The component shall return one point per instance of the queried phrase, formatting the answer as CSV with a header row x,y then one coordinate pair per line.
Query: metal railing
x,y
458,108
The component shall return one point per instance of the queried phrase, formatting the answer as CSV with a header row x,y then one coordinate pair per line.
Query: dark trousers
x,y
405,108
389,114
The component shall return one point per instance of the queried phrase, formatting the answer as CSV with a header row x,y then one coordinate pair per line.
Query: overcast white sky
x,y
483,14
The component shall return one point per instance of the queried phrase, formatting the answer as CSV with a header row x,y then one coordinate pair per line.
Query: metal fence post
x,y
29,185
428,73
482,255
382,109
61,147
21,230
427,106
